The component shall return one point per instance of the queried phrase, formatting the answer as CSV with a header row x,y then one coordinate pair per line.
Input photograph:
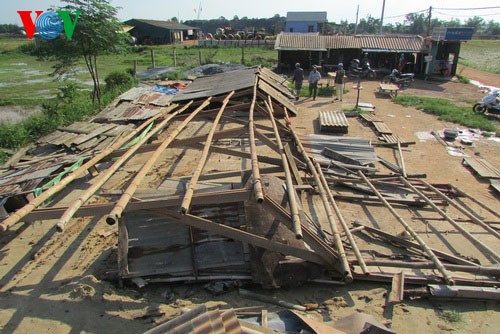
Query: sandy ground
x,y
61,283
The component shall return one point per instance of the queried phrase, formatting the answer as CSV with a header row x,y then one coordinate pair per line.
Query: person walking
x,y
314,78
298,78
339,82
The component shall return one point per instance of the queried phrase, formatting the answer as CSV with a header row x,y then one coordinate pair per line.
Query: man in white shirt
x,y
314,78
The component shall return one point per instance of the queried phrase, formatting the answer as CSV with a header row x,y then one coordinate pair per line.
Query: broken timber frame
x,y
186,202
103,177
257,182
408,228
47,194
116,213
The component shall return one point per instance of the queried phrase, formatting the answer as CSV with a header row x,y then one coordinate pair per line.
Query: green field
x,y
24,80
482,55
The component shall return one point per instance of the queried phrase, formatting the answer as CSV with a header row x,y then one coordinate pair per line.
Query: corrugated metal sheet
x,y
333,121
290,41
201,320
218,84
287,41
482,167
160,247
352,147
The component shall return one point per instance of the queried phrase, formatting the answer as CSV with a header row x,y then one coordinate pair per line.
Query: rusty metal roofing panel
x,y
341,42
201,320
296,41
156,98
392,43
218,84
133,94
333,121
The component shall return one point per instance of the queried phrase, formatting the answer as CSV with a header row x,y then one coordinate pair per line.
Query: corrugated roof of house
x,y
162,24
295,41
306,16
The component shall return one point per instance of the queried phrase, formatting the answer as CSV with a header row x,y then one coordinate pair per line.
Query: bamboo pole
x,y
292,195
488,271
408,228
116,213
103,177
479,245
186,202
346,229
34,203
463,210
257,182
401,160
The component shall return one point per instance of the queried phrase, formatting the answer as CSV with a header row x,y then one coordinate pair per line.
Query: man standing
x,y
298,78
314,78
339,81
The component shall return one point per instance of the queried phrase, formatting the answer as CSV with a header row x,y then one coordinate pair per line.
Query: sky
x,y
337,10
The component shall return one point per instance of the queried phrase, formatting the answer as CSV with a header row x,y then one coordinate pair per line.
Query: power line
x,y
402,15
451,15
477,8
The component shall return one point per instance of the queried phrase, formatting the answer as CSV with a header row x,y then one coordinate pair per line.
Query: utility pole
x,y
356,27
382,17
429,21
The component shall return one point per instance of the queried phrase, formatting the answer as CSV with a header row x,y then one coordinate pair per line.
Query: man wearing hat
x,y
314,78
339,81
298,78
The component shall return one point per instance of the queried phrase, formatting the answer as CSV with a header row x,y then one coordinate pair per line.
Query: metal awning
x,y
388,50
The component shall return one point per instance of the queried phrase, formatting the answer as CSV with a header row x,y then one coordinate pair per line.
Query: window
x,y
291,29
310,28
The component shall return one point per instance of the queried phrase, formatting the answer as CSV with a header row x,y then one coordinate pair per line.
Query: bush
x,y
117,79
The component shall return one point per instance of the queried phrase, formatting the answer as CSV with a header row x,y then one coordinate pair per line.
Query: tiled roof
x,y
287,41
297,41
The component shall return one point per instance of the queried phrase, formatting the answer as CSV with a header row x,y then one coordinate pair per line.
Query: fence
x,y
236,43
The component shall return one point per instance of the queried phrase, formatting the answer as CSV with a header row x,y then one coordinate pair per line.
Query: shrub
x,y
117,79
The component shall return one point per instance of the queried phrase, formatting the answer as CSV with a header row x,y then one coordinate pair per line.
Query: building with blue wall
x,y
304,22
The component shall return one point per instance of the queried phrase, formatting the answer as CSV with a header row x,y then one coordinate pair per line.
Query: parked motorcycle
x,y
490,104
398,78
361,72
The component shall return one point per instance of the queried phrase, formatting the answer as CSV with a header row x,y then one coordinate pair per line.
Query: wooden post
x,y
186,202
134,67
414,235
174,51
199,57
33,204
292,195
357,97
153,63
116,213
243,54
257,182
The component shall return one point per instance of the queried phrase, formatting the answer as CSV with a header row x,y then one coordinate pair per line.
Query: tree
x,y
174,19
97,31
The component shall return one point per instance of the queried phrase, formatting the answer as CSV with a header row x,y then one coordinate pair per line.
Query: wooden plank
x,y
382,128
397,288
276,95
243,236
218,135
482,167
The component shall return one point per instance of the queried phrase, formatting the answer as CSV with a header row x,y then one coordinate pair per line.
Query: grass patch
x,y
481,55
69,106
451,316
448,111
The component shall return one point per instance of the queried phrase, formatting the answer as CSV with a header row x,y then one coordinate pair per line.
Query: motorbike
x,y
361,72
398,78
489,103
